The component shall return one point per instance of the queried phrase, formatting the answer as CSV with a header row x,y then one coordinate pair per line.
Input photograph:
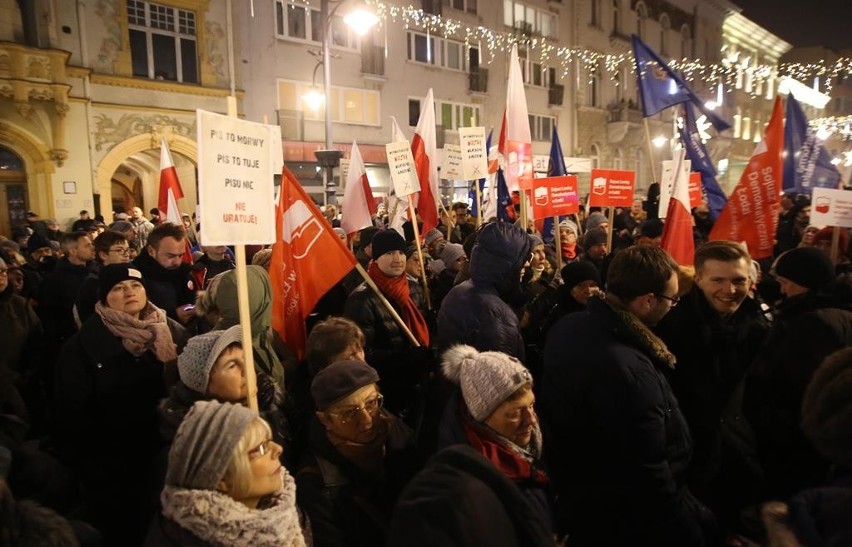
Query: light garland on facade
x,y
834,125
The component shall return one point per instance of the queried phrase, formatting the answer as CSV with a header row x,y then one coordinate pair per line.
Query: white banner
x,y
473,152
402,170
452,166
667,180
235,181
831,207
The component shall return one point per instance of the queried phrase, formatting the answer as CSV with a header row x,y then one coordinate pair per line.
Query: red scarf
x,y
511,463
396,290
569,251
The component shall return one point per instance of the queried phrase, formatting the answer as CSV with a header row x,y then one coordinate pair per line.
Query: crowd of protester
x,y
502,386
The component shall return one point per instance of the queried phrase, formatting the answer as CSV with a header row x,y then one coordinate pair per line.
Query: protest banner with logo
x,y
235,181
696,194
612,188
555,196
831,207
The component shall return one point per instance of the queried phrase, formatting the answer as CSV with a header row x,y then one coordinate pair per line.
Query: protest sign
x,y
612,188
402,170
555,196
473,153
831,207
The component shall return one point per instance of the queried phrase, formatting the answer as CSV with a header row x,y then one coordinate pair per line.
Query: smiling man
x,y
715,334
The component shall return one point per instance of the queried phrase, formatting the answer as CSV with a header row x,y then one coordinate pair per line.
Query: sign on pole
x,y
344,172
831,207
235,181
473,152
555,196
612,188
696,195
402,171
452,168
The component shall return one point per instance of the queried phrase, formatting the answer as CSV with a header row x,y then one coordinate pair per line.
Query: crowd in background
x,y
589,392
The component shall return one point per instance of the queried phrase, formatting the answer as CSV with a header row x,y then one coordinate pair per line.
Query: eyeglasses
x,y
371,407
673,299
121,251
262,449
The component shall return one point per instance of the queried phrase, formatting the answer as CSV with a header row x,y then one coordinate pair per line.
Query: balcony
x,y
622,117
431,7
478,81
523,28
555,94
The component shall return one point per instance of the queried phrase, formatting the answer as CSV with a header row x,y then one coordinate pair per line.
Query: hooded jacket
x,y
479,312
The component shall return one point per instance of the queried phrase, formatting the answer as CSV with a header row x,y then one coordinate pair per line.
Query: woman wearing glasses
x,y
225,484
109,379
358,458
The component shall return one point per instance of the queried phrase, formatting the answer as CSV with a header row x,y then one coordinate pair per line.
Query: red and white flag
x,y
358,203
425,151
170,190
751,214
515,138
307,260
677,231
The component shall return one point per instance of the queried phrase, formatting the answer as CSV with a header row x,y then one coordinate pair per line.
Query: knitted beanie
x,y
806,266
565,223
451,253
204,444
387,241
486,378
36,242
366,235
576,272
200,354
535,239
112,274
827,408
340,379
593,237
121,226
595,220
432,235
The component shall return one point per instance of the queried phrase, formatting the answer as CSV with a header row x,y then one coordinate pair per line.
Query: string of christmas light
x,y
840,125
611,64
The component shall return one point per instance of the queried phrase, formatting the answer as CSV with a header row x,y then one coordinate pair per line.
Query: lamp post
x,y
361,21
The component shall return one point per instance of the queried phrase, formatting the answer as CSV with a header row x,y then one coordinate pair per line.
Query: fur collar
x,y
220,520
636,333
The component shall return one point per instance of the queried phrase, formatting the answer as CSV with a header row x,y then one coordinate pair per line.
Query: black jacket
x,y
167,289
57,294
478,311
617,445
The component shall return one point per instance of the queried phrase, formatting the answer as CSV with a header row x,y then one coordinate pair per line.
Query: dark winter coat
x,y
21,338
807,328
820,516
57,294
617,445
167,289
461,499
479,311
714,354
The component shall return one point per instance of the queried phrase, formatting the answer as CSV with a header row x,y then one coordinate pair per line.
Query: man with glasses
x,y
358,458
617,444
111,247
167,279
716,333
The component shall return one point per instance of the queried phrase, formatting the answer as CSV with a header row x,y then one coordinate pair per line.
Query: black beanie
x,y
366,235
387,241
36,242
575,273
806,266
593,237
111,275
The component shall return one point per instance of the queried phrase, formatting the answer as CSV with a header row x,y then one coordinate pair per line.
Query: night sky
x,y
826,23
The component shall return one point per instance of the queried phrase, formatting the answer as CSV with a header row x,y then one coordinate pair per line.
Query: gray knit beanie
x,y
432,235
570,225
451,253
486,378
204,444
200,354
595,220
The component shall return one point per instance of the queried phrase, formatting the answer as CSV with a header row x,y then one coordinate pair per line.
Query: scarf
x,y
367,457
396,289
515,462
150,332
220,520
569,251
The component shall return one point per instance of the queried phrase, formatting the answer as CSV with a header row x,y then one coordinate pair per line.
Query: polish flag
x,y
425,152
751,213
677,231
170,190
358,203
307,260
515,139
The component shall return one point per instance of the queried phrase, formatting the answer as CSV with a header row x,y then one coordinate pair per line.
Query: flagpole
x,y
242,296
478,203
391,309
523,209
610,229
650,150
420,254
558,247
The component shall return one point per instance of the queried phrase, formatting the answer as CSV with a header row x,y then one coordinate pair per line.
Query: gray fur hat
x,y
204,444
486,378
200,354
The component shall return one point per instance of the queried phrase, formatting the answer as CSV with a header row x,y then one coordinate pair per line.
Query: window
x,y
534,73
300,22
348,104
595,156
619,85
163,42
461,5
618,159
529,20
593,92
541,127
641,15
448,115
616,17
441,52
665,26
738,118
413,112
685,42
595,15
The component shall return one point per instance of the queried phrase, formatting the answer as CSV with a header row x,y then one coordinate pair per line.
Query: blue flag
x,y
806,161
471,192
701,162
661,88
555,168
504,198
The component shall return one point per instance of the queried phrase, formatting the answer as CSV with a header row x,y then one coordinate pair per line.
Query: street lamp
x,y
361,21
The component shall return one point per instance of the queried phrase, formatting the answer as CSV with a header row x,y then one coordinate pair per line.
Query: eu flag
x,y
701,162
806,161
660,87
504,198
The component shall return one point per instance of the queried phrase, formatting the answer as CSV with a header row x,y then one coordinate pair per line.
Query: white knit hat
x,y
486,378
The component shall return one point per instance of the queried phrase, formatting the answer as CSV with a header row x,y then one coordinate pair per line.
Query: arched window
x,y
595,156
641,15
595,19
665,26
619,85
616,17
594,90
685,42
618,159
